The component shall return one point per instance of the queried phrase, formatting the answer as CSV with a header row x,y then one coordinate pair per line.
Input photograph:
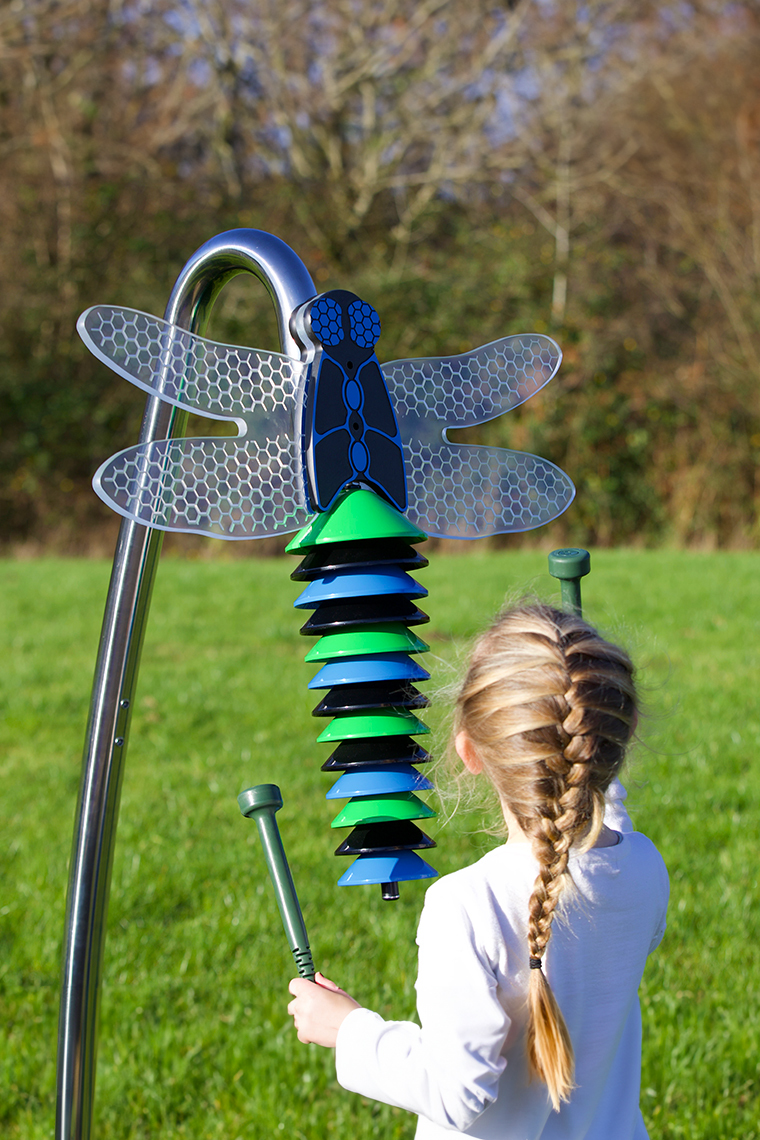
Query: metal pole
x,y
138,549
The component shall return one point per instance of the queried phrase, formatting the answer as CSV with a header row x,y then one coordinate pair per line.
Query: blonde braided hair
x,y
549,707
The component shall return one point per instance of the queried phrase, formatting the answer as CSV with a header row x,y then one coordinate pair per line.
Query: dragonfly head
x,y
340,323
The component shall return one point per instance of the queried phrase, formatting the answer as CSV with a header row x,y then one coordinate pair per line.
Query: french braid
x,y
549,707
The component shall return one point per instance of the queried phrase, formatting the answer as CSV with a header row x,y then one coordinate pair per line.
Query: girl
x,y
529,960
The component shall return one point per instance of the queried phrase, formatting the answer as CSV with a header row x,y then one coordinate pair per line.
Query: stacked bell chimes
x,y
357,582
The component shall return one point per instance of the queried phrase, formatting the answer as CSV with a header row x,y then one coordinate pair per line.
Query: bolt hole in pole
x,y
569,566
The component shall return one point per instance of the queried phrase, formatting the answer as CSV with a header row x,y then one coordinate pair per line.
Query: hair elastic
x,y
536,964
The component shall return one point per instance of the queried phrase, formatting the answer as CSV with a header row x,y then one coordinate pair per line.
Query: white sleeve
x,y
615,813
447,1071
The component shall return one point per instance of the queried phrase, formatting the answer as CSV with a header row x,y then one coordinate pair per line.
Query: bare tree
x,y
378,107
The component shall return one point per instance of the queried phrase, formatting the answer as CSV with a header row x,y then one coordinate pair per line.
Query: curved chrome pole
x,y
138,549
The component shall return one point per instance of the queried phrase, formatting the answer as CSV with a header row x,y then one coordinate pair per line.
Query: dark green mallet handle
x,y
570,566
261,803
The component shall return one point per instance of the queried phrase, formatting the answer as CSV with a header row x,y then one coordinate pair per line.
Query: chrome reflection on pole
x,y
288,283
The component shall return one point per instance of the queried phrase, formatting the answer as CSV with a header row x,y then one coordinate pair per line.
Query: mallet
x,y
261,803
570,565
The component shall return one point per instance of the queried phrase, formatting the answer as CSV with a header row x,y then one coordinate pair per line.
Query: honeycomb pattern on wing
x,y
467,390
365,324
251,486
327,321
462,491
224,488
190,370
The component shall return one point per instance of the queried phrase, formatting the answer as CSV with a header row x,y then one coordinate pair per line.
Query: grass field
x,y
195,1040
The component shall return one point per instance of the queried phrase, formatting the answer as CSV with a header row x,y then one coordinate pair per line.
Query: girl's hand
x,y
319,1010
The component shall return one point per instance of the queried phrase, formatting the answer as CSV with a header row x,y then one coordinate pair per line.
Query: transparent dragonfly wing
x,y
223,488
222,381
467,390
247,487
465,491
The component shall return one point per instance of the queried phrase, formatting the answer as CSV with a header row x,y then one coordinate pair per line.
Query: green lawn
x,y
195,1040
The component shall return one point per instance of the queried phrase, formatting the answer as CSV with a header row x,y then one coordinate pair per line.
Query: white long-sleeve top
x,y
465,1069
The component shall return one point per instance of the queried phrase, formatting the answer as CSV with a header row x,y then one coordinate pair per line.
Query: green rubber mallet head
x,y
570,565
261,803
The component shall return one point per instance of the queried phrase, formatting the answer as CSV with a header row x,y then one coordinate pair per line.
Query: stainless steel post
x,y
138,549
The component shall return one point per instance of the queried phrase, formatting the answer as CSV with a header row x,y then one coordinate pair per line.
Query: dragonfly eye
x,y
364,324
326,321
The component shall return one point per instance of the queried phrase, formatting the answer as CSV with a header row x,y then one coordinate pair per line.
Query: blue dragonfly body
x,y
349,433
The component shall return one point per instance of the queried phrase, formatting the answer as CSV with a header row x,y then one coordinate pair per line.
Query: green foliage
x,y
195,1039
